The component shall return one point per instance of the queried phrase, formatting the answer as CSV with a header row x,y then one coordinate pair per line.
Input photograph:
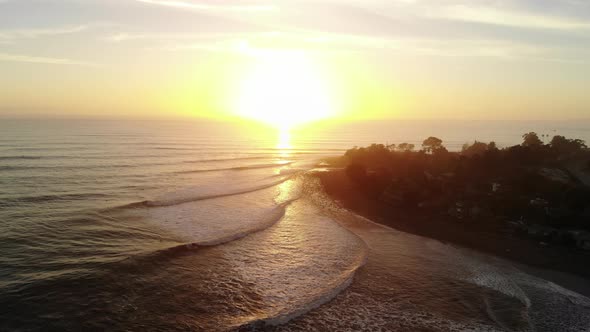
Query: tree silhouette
x,y
475,148
405,147
565,145
431,144
531,140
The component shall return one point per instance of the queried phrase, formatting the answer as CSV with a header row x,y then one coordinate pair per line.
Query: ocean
x,y
122,225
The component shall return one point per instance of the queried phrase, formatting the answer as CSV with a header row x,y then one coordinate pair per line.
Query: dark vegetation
x,y
534,191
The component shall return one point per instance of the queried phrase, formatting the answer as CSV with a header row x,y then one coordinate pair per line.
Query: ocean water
x,y
209,226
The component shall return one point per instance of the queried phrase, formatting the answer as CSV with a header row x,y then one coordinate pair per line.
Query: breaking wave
x,y
181,198
237,168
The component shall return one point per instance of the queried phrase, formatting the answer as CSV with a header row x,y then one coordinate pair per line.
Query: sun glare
x,y
284,90
284,139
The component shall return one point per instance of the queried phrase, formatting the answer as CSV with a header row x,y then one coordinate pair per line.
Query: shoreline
x,y
563,266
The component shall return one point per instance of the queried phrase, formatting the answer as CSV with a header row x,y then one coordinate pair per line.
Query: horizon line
x,y
232,118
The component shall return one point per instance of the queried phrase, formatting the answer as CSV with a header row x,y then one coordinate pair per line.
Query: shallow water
x,y
192,226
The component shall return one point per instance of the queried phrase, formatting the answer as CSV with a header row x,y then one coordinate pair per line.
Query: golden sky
x,y
295,61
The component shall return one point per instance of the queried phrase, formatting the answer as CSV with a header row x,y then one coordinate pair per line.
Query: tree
x,y
579,143
564,145
477,148
531,140
374,155
440,150
431,144
558,141
405,147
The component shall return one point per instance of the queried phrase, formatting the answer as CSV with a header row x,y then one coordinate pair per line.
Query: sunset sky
x,y
347,59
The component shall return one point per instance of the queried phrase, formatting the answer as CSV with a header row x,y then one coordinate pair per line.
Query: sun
x,y
284,90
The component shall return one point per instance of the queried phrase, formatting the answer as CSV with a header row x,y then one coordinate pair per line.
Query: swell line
x,y
237,168
181,249
19,157
224,159
50,198
161,203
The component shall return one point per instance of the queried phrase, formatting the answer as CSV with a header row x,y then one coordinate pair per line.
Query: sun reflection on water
x,y
288,191
284,143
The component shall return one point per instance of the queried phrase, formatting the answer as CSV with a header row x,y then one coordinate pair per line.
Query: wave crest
x,y
199,197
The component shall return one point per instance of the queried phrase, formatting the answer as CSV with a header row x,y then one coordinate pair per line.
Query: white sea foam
x,y
210,191
218,220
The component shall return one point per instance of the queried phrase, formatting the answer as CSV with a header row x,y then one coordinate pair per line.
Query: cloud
x,y
276,41
207,6
410,27
124,36
504,17
44,60
14,34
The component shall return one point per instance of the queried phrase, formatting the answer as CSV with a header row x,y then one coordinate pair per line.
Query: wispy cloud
x,y
505,17
14,34
44,60
212,6
262,43
124,36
